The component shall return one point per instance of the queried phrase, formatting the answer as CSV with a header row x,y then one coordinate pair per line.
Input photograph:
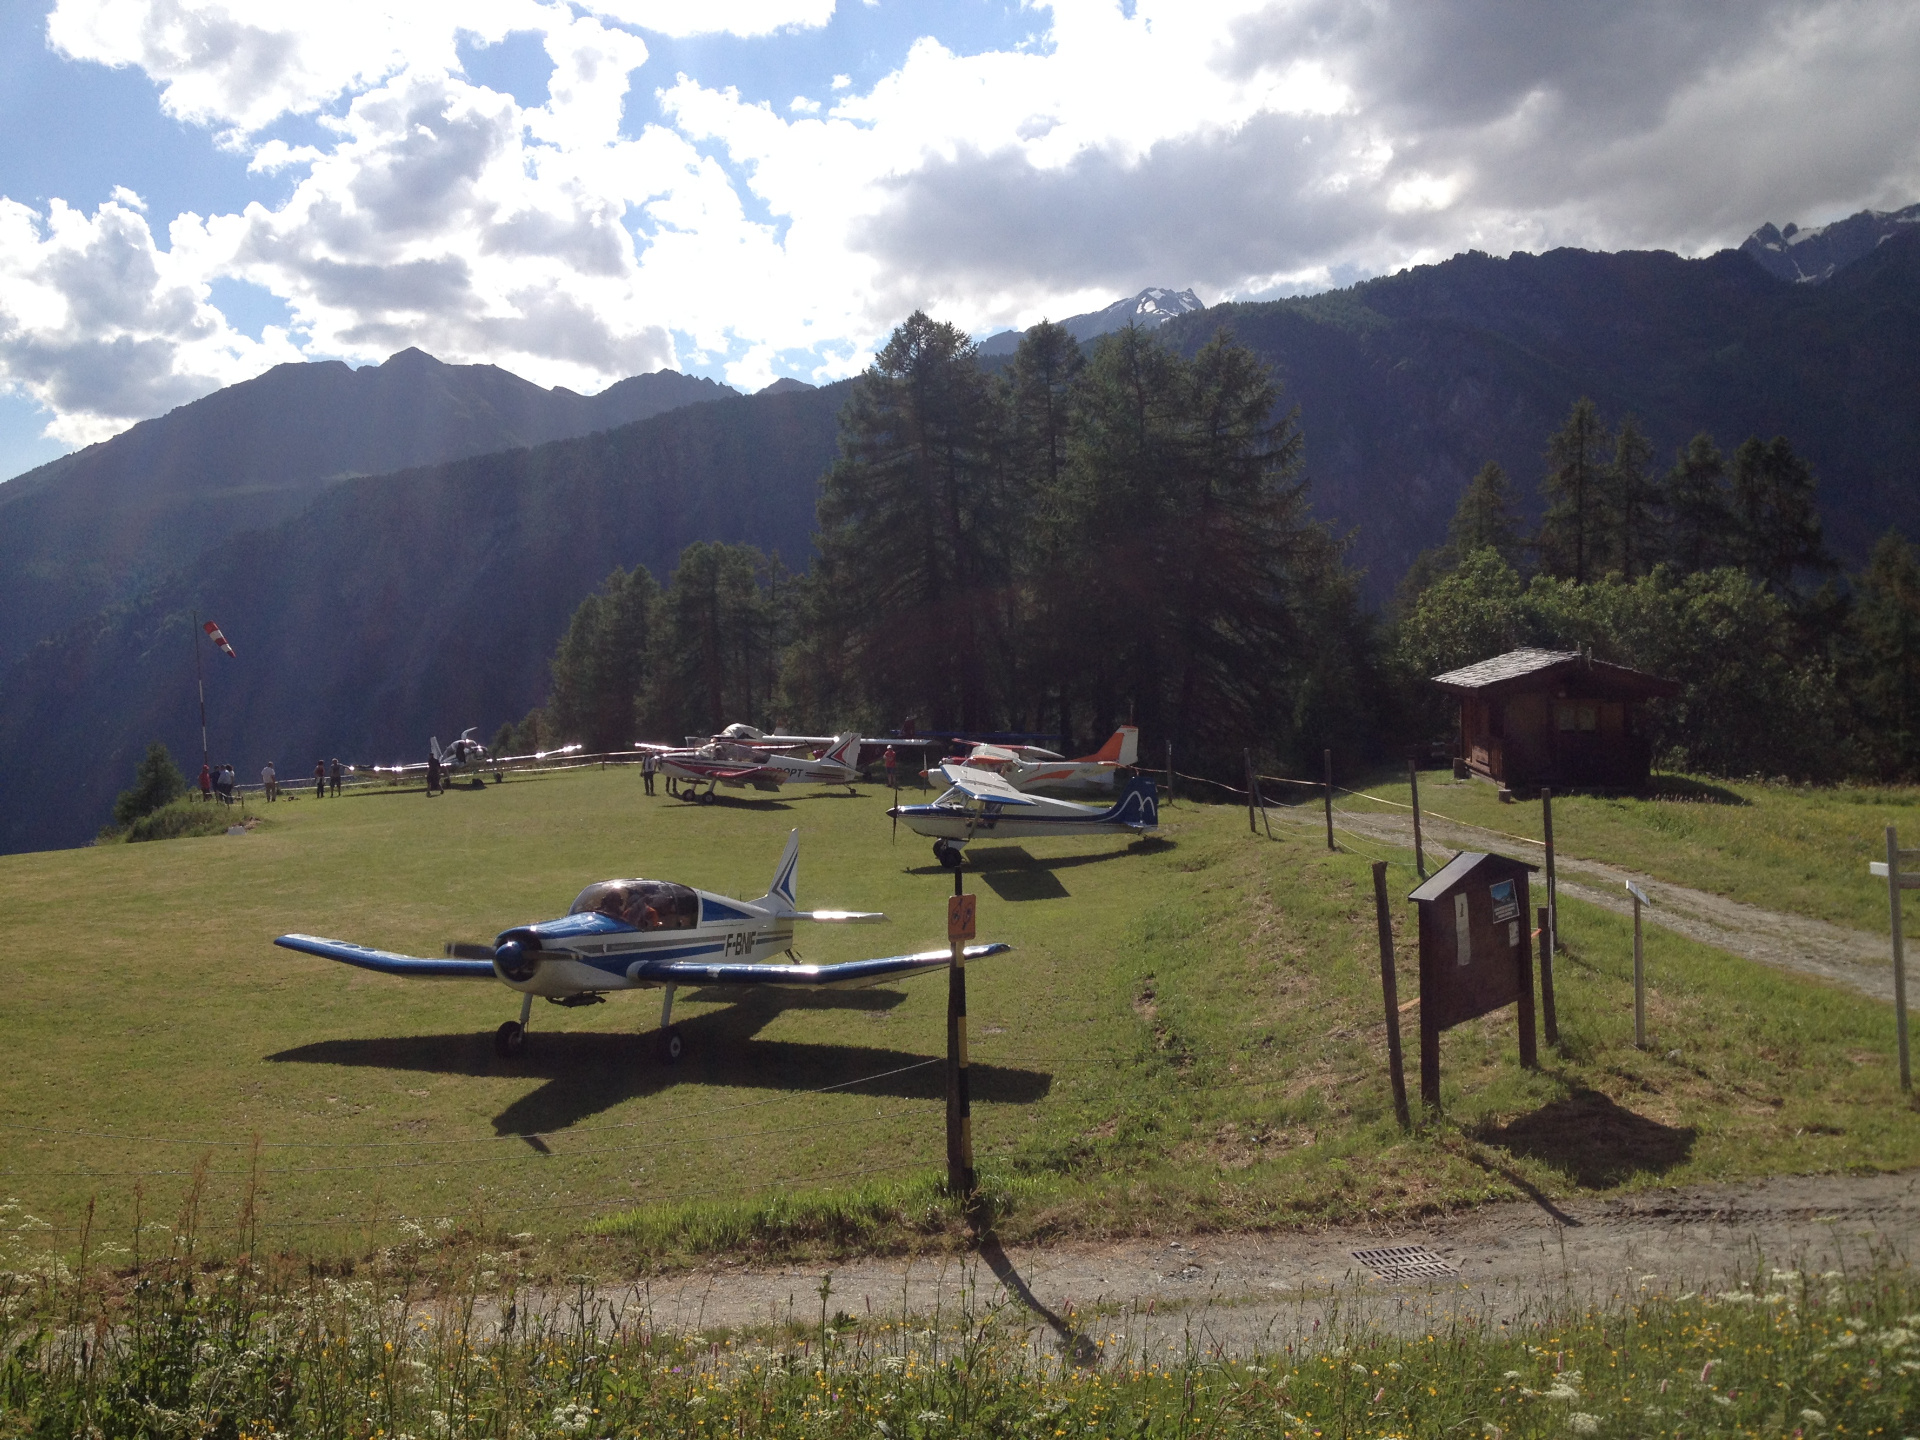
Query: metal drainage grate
x,y
1405,1262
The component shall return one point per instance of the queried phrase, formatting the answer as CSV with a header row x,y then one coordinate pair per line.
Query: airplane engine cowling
x,y
515,962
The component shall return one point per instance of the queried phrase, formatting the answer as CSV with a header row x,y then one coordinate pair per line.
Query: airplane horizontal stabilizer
x,y
850,975
385,961
834,917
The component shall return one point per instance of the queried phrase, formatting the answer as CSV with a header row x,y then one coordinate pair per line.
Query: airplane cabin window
x,y
643,904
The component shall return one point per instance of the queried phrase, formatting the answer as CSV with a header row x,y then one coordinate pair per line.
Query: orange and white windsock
x,y
219,640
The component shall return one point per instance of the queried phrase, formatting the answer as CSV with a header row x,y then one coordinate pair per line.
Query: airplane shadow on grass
x,y
1003,861
589,1072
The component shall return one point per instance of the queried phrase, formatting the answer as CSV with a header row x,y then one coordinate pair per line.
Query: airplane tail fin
x,y
846,750
781,893
1139,804
1122,748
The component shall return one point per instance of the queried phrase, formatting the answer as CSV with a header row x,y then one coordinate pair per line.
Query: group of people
x,y
218,782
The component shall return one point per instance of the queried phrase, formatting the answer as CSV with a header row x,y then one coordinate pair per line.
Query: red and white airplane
x,y
1027,767
728,762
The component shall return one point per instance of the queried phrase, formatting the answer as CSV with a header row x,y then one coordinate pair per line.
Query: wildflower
x,y
1812,1417
929,1417
1358,1369
1511,1375
1492,1431
1706,1371
1379,1394
1582,1423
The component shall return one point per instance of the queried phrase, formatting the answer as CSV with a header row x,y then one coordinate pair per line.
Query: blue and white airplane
x,y
981,805
645,935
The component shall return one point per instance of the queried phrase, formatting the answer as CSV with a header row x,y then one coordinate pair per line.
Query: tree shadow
x,y
1685,787
1596,1142
586,1073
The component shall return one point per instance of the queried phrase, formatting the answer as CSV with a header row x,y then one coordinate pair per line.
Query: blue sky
x,y
194,190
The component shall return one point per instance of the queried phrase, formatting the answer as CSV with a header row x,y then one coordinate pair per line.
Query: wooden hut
x,y
1555,717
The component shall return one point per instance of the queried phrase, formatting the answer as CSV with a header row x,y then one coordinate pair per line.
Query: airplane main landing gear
x,y
671,1046
947,853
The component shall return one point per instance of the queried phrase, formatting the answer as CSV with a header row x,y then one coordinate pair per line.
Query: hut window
x,y
1578,717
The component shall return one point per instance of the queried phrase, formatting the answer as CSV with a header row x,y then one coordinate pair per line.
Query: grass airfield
x,y
1187,1035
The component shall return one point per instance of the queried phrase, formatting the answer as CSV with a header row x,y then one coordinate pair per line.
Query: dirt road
x,y
1792,942
1237,1294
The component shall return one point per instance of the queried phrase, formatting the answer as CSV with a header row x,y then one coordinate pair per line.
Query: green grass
x,y
1801,849
279,1351
1186,1036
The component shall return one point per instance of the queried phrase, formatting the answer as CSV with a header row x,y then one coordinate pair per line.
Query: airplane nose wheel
x,y
671,1046
509,1040
947,855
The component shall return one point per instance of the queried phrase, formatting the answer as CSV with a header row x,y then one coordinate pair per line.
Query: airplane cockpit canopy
x,y
643,904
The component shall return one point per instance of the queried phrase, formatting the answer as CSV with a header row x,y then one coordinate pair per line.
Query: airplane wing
x,y
385,961
984,785
850,975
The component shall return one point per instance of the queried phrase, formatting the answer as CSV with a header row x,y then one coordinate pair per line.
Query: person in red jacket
x,y
206,783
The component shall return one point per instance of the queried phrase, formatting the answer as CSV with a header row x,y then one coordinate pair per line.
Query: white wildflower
x,y
1812,1417
1582,1423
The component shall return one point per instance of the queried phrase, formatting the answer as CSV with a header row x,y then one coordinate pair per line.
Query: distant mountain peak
x,y
784,385
1810,256
1150,309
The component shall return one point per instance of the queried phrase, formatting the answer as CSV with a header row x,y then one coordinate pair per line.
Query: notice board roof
x,y
1528,668
1456,870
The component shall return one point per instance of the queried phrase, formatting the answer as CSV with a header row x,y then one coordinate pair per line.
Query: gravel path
x,y
1240,1293
1856,958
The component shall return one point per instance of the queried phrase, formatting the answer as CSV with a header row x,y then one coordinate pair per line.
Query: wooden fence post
x,y
1895,884
1326,757
1169,772
1529,1047
960,929
1246,759
1413,784
1390,989
1547,1012
1553,891
1639,972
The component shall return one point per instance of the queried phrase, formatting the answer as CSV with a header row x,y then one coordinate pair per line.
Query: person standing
x,y
647,764
206,782
890,759
319,779
337,773
269,782
433,774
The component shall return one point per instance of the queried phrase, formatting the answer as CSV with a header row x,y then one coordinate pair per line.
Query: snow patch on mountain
x,y
1150,309
1812,255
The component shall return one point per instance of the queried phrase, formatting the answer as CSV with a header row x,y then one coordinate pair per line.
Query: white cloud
x,y
1233,145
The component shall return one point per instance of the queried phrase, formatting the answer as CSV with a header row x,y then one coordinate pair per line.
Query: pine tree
x,y
1572,533
713,641
915,528
1776,522
1486,518
1886,656
1043,390
1699,517
1632,503
602,662
157,781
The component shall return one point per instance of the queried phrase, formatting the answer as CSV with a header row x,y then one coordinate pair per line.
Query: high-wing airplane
x,y
982,805
761,765
871,747
1028,767
834,766
645,935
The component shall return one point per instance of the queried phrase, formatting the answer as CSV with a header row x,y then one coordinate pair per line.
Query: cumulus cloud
x,y
1237,145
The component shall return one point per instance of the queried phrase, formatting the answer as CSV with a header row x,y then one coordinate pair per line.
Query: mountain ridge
x,y
88,529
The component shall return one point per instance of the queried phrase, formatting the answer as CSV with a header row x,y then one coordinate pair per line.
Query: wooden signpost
x,y
1639,970
1413,784
1474,954
960,929
1898,878
1553,891
1390,989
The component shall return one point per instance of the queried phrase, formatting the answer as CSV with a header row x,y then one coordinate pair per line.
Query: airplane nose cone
x,y
513,963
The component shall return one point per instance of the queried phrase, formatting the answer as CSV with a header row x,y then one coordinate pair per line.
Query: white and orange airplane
x,y
1028,767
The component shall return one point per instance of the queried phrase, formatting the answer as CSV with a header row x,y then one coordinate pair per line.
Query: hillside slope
x,y
90,528
1409,383
395,606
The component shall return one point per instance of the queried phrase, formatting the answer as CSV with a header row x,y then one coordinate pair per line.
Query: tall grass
x,y
403,1347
